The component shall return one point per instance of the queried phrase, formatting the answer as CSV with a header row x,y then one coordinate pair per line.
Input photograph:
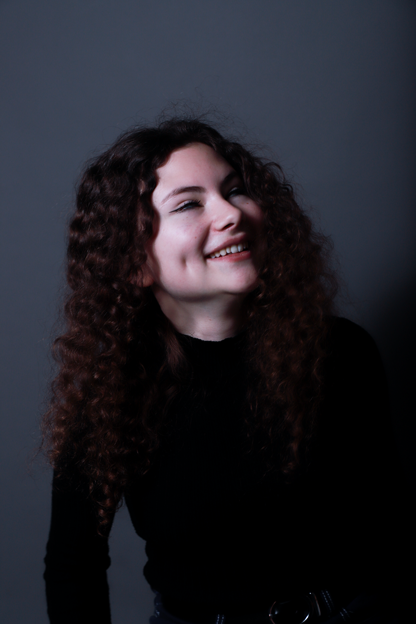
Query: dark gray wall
x,y
328,85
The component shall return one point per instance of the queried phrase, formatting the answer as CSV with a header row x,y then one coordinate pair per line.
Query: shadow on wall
x,y
395,332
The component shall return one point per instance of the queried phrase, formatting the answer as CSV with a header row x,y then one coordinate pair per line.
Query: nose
x,y
225,215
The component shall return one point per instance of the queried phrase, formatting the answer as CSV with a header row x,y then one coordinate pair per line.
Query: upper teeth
x,y
229,250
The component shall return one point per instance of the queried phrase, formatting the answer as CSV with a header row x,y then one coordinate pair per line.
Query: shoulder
x,y
355,383
354,416
344,332
352,344
354,372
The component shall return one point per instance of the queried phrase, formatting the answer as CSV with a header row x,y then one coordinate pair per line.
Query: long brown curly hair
x,y
120,362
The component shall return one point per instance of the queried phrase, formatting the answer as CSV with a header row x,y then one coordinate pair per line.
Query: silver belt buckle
x,y
296,611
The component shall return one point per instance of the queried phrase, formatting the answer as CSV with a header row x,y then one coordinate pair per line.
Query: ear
x,y
143,279
148,278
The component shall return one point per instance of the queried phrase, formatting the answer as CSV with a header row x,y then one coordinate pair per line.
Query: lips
x,y
236,244
233,249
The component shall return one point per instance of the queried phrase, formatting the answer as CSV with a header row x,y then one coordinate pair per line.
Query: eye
x,y
194,203
237,190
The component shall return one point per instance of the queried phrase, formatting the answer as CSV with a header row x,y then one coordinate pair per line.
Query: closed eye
x,y
237,190
193,203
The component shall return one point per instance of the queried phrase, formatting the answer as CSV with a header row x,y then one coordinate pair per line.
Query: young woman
x,y
204,379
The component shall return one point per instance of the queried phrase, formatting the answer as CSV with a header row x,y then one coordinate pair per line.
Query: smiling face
x,y
207,231
206,234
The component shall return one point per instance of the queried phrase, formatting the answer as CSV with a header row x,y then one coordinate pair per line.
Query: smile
x,y
229,250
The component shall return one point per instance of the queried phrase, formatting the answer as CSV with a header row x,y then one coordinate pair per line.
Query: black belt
x,y
308,608
304,609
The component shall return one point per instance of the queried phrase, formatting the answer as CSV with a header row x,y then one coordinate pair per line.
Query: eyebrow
x,y
196,189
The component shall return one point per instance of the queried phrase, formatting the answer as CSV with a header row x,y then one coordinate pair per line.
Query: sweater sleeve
x,y
76,558
369,489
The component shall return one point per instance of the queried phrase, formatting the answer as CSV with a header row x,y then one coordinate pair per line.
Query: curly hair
x,y
120,362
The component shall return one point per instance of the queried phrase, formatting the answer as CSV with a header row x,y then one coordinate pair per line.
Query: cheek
x,y
188,239
255,214
174,245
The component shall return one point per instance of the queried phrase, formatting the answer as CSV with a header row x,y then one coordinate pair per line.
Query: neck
x,y
208,320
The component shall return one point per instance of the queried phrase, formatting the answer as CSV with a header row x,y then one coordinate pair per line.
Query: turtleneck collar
x,y
215,358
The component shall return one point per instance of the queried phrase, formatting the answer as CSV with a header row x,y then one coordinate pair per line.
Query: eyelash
x,y
194,203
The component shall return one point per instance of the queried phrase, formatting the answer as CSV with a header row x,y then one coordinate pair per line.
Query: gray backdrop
x,y
330,86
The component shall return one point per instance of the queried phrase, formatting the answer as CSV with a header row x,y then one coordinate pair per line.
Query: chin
x,y
244,289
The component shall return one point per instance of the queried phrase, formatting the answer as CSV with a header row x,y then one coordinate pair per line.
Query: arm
x,y
370,493
76,558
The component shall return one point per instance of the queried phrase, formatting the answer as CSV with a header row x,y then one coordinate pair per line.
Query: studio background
x,y
329,86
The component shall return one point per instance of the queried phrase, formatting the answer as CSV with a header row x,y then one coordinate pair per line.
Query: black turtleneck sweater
x,y
219,533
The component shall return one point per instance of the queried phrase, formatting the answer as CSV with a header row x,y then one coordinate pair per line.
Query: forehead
x,y
191,166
